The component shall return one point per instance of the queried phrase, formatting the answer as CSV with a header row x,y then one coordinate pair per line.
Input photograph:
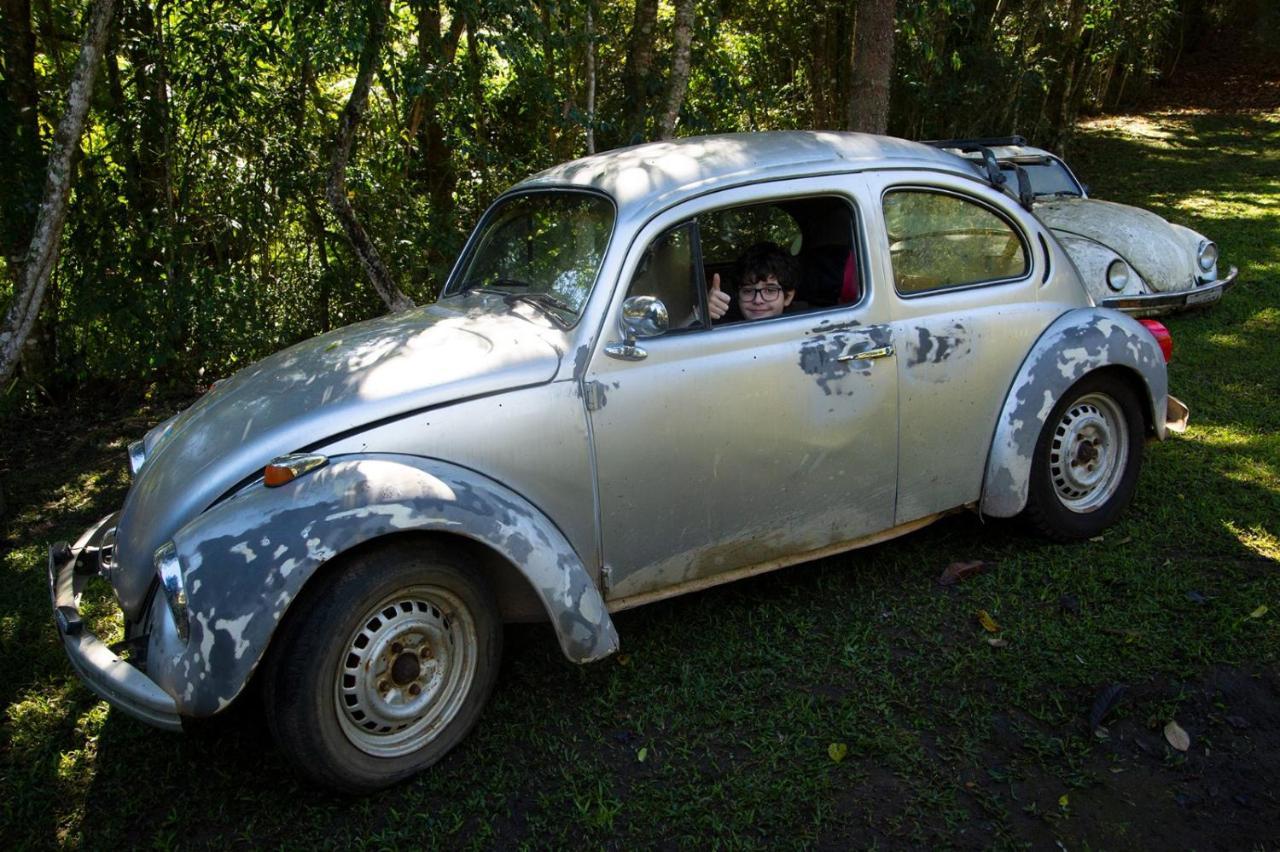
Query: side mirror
x,y
642,316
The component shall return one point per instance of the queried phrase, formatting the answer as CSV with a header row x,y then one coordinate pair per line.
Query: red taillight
x,y
1162,336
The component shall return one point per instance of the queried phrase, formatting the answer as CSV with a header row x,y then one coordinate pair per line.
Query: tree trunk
x,y
591,82
678,82
37,266
20,147
635,77
872,66
348,122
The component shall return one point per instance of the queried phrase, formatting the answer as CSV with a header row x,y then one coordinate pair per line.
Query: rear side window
x,y
939,241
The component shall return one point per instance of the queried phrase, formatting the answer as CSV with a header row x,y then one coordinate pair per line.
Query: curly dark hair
x,y
764,259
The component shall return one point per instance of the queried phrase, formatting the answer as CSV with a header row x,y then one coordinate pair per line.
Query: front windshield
x,y
1048,177
543,248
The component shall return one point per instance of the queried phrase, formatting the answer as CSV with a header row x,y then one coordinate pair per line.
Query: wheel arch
x,y
1079,343
247,561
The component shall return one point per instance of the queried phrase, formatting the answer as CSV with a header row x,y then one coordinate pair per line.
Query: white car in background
x,y
1130,259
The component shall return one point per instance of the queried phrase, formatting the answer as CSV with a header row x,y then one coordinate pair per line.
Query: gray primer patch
x,y
820,355
580,359
931,348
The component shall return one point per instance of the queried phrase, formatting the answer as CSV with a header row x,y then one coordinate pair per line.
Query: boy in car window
x,y
766,284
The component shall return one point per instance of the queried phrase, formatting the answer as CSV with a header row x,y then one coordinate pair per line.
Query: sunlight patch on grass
x,y
37,713
1256,539
1226,204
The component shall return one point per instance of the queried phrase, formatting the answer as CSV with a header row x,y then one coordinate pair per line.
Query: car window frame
x,y
1011,222
472,243
859,242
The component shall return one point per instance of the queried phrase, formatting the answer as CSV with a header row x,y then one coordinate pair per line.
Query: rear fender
x,y
1078,342
246,559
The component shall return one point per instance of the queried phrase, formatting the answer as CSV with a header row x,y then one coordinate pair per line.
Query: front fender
x,y
1078,342
245,560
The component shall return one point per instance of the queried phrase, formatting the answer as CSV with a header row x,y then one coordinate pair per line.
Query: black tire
x,y
432,644
1097,422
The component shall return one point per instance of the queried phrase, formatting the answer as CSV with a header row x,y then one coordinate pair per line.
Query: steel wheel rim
x,y
1088,452
406,671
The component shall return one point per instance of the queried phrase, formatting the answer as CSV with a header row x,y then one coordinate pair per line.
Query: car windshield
x,y
1048,177
542,248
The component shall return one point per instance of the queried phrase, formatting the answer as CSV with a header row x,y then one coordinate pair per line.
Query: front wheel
x,y
1087,459
384,666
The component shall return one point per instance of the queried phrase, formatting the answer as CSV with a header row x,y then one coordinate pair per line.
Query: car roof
x,y
648,176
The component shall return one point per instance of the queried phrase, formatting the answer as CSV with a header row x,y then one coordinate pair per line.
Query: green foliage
x,y
199,237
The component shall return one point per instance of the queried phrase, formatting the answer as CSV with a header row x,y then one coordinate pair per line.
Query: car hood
x,y
1153,247
310,392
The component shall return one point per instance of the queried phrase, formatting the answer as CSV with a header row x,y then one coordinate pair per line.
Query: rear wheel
x,y
1087,459
384,667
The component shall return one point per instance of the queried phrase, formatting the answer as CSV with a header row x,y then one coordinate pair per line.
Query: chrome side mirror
x,y
642,316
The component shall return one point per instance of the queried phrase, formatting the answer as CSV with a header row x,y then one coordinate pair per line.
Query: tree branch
x,y
336,190
42,254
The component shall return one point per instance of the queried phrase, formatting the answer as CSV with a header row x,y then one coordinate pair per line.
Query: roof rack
x,y
994,174
978,142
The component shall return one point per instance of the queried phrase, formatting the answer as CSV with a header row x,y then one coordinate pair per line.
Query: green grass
x,y
734,695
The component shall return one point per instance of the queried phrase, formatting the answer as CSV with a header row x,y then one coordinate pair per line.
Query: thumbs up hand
x,y
717,299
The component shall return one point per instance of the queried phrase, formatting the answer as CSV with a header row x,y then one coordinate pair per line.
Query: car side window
x,y
939,241
815,235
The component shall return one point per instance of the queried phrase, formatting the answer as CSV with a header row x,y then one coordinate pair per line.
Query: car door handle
x,y
868,354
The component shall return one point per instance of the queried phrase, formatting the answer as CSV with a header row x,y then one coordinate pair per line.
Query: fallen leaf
x,y
1177,737
1098,538
642,754
959,571
1259,612
837,751
1124,540
997,642
1196,598
1238,722
1063,801
624,659
988,623
1104,702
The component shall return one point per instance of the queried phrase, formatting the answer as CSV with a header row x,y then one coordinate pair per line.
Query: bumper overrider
x,y
113,678
1153,304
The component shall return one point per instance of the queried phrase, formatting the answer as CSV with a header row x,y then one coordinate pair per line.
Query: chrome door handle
x,y
868,354
625,351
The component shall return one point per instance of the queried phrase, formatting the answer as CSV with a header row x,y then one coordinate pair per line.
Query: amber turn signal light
x,y
286,469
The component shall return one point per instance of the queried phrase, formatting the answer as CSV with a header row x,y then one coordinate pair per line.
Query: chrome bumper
x,y
102,670
1155,304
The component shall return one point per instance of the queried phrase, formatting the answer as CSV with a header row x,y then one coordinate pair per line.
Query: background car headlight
x,y
1117,275
1207,256
174,586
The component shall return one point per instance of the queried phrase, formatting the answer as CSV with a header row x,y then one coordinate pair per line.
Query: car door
x,y
738,446
965,270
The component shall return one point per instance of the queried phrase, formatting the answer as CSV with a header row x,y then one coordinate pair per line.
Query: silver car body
x,y
1164,273
582,482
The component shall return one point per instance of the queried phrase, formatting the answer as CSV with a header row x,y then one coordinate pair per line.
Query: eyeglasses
x,y
766,294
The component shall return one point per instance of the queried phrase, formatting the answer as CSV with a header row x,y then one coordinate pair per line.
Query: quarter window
x,y
939,241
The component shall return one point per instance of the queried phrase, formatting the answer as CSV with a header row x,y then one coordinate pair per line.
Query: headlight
x,y
174,587
1207,256
1117,275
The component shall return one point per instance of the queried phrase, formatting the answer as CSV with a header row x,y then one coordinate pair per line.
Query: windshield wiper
x,y
544,302
498,285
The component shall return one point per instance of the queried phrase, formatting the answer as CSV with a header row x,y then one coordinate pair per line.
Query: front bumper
x,y
102,670
1156,304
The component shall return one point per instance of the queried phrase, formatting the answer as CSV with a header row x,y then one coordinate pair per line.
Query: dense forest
x,y
248,173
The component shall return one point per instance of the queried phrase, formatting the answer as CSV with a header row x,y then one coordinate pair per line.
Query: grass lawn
x,y
721,721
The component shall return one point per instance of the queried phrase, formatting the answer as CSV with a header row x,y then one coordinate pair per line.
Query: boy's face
x,y
764,298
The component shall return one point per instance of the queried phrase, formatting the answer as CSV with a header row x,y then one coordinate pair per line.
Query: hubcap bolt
x,y
396,647
414,689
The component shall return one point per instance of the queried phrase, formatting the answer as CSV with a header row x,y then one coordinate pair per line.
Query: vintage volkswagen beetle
x,y
1130,259
562,436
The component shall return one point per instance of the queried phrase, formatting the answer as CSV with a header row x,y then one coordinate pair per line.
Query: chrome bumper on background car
x,y
102,670
1152,304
